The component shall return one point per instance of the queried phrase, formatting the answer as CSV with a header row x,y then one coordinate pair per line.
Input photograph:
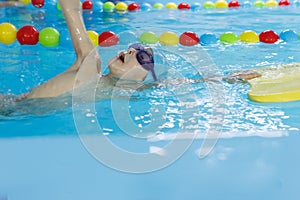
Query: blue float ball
x,y
288,35
296,3
208,39
98,6
246,4
196,6
145,6
127,37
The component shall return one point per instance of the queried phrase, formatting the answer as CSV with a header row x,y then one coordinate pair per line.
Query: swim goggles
x,y
145,58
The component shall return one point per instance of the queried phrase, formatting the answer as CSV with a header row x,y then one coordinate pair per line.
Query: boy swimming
x,y
131,65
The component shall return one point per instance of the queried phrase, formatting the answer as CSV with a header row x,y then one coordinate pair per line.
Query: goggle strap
x,y
153,74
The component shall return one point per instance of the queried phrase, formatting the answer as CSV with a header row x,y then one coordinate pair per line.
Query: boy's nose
x,y
131,50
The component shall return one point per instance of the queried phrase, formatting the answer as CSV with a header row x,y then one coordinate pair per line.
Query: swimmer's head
x,y
133,64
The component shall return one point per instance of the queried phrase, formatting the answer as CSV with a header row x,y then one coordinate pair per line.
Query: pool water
x,y
256,157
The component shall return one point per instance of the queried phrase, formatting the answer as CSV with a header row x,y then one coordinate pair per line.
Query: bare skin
x,y
88,63
64,82
10,4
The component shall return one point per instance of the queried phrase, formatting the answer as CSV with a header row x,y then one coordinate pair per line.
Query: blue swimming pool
x,y
43,156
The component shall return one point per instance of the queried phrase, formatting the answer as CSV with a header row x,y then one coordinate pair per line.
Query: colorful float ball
x,y
288,35
58,7
184,6
284,3
87,5
107,38
93,35
259,4
127,37
49,37
8,33
247,4
268,36
249,37
189,39
234,4
148,38
229,38
28,35
25,2
133,7
121,6
271,3
98,6
195,6
38,3
221,4
171,5
209,4
146,6
208,39
108,6
296,3
169,38
158,6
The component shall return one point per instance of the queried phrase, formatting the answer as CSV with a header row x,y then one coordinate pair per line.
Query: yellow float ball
x,y
121,6
249,37
93,35
8,33
171,5
221,4
271,3
169,38
25,2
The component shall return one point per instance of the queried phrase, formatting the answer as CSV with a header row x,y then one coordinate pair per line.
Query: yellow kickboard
x,y
277,84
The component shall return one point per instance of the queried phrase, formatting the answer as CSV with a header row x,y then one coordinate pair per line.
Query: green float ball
x,y
49,37
58,7
149,38
229,38
158,6
108,6
209,4
259,3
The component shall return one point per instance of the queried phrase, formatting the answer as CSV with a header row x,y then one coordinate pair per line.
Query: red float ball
x,y
183,5
28,35
284,3
107,38
38,3
189,38
87,5
233,4
133,7
268,36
